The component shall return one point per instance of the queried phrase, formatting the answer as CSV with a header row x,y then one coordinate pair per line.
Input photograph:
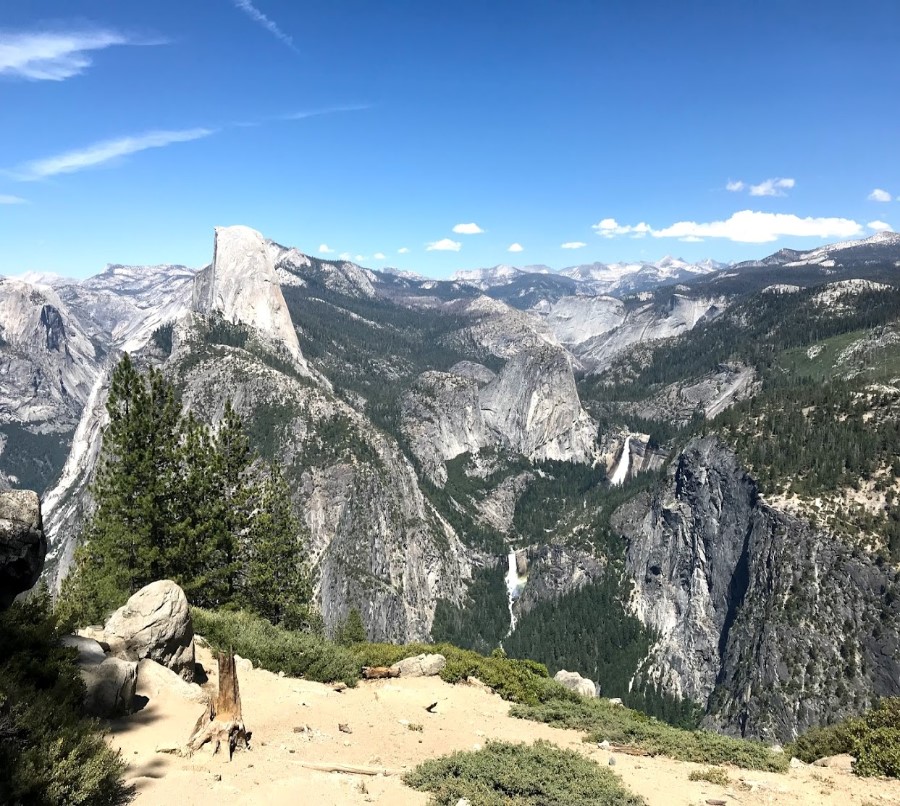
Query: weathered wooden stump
x,y
223,722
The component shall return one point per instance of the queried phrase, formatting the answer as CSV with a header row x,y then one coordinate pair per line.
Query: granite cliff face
x,y
773,626
241,285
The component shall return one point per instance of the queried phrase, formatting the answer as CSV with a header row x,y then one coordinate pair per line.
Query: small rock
x,y
343,727
612,761
301,729
463,802
243,664
217,777
340,687
796,763
604,745
616,701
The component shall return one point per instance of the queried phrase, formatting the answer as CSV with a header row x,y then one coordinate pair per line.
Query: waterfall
x,y
621,471
514,584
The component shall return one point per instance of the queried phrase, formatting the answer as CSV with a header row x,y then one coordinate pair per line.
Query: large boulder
x,y
110,683
155,623
22,543
420,666
575,682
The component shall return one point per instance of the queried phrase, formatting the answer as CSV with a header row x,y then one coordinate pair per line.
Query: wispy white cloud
x,y
769,187
403,250
572,245
105,151
880,226
108,150
879,195
325,249
379,256
261,19
56,55
443,245
468,229
345,256
6,198
772,187
516,247
610,228
360,258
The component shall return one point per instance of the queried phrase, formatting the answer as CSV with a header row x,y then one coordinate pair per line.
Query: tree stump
x,y
223,722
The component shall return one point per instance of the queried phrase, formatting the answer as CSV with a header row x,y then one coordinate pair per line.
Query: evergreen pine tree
x,y
274,580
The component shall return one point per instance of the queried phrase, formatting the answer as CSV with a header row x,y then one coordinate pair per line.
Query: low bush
x,y
831,740
49,752
526,775
521,681
876,740
626,727
712,775
298,654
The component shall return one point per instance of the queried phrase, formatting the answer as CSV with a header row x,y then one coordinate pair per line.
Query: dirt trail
x,y
382,716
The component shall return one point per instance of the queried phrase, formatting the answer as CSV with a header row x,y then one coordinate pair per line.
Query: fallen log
x,y
629,750
379,672
223,722
350,769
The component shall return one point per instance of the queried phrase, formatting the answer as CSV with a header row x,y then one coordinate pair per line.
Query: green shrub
x,y
49,752
298,654
831,740
713,775
526,775
521,681
626,727
876,740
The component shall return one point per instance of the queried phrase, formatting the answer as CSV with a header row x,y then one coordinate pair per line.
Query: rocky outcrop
x,y
110,683
575,682
155,623
533,406
22,543
441,417
420,666
241,284
553,571
774,626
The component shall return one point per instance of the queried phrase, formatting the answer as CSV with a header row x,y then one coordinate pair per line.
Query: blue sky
x,y
130,130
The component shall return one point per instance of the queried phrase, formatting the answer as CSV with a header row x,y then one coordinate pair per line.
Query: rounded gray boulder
x,y
155,623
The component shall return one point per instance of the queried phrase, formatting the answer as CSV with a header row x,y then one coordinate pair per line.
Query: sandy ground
x,y
381,715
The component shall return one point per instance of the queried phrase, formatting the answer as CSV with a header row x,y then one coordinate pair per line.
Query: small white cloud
x,y
610,228
360,258
880,226
572,245
879,195
8,199
691,239
379,256
325,249
516,247
345,256
772,187
468,229
55,55
261,19
105,151
443,245
403,250
734,186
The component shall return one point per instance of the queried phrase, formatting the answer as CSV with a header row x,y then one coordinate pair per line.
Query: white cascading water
x,y
621,471
514,584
